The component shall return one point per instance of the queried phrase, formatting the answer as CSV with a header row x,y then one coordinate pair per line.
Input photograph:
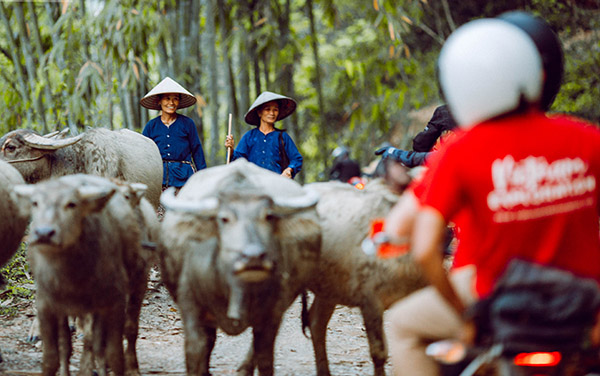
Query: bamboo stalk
x,y
229,134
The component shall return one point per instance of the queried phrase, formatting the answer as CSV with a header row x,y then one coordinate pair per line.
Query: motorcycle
x,y
357,182
455,358
536,322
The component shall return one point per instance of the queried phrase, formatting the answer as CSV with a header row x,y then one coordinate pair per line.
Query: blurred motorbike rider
x,y
530,189
438,129
344,168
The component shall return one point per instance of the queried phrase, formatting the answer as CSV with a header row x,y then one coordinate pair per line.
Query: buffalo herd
x,y
236,246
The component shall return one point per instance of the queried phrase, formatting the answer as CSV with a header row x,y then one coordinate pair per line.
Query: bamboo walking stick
x,y
229,134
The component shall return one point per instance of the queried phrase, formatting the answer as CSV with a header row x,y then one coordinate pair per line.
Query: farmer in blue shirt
x,y
174,134
265,145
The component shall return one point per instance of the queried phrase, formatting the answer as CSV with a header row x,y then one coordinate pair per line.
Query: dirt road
x,y
160,343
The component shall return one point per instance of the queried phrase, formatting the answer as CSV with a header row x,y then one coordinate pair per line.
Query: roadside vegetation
x,y
16,285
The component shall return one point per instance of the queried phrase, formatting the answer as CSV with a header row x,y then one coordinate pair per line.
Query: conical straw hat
x,y
286,107
168,85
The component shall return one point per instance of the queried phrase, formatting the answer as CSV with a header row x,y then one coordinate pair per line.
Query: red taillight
x,y
359,186
538,359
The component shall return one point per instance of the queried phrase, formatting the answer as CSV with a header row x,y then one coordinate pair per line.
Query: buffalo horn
x,y
58,135
138,188
204,208
51,134
40,142
295,204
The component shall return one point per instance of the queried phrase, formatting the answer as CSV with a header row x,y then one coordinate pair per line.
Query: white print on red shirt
x,y
533,182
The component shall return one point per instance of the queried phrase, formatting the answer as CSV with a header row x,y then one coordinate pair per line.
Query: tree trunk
x,y
135,111
165,67
322,137
265,65
30,65
109,92
41,58
177,39
165,53
53,12
253,55
210,44
244,75
85,43
12,44
193,59
226,45
129,108
285,74
124,98
448,15
141,92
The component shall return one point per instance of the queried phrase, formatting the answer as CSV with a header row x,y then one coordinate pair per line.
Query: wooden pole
x,y
229,134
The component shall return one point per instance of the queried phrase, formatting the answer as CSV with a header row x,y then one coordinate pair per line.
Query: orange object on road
x,y
385,249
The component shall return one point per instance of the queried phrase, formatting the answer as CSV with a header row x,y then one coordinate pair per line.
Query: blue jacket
x,y
179,143
264,150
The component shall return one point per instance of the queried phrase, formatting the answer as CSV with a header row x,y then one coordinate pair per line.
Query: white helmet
x,y
487,68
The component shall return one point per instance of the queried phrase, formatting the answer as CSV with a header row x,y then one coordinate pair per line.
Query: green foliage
x,y
18,284
581,86
375,64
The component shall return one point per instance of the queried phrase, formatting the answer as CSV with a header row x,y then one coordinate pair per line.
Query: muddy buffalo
x,y
13,219
122,154
239,244
346,275
86,258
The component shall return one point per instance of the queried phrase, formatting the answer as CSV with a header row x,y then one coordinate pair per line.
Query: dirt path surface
x,y
160,343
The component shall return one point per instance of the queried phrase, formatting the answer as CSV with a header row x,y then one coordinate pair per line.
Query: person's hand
x,y
398,155
287,173
404,157
229,143
468,333
385,150
397,176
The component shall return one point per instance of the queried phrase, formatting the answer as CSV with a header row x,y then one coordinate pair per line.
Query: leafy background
x,y
363,72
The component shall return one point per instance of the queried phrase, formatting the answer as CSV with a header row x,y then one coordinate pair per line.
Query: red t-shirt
x,y
522,187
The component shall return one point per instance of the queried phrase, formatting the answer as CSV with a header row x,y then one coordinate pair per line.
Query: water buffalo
x,y
121,154
146,215
346,275
86,258
239,244
13,219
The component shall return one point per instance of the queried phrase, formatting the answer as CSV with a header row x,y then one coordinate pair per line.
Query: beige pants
x,y
424,317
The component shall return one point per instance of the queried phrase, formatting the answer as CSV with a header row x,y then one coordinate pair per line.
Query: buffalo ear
x,y
133,192
95,198
139,190
23,190
21,194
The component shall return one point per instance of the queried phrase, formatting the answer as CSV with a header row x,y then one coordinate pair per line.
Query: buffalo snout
x,y
43,235
254,252
253,264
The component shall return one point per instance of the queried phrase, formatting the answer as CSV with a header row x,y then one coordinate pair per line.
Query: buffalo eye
x,y
224,219
34,204
71,205
271,216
